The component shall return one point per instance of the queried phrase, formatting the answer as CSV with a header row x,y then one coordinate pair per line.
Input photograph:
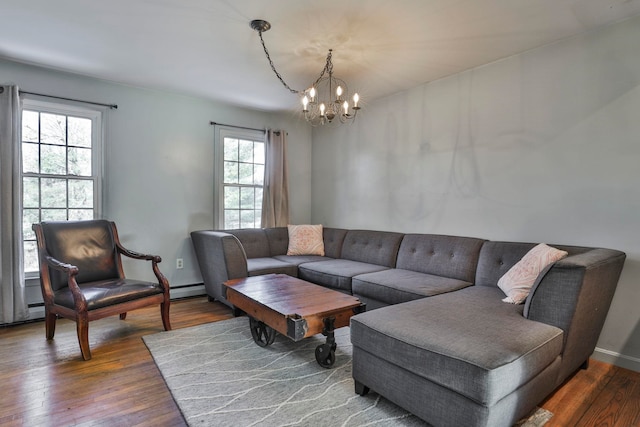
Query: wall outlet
x,y
179,263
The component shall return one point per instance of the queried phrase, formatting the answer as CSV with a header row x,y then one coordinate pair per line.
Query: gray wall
x,y
543,146
159,163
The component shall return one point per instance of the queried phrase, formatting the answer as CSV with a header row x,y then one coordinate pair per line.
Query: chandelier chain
x,y
273,67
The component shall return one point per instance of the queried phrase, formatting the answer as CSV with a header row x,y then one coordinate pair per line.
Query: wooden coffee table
x,y
293,307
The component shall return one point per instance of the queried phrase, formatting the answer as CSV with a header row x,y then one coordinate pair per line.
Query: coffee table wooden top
x,y
291,306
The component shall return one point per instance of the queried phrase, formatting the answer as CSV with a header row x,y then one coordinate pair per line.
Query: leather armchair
x,y
82,279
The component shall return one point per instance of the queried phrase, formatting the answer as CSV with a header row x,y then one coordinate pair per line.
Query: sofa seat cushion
x,y
336,273
105,293
300,259
268,265
395,286
467,341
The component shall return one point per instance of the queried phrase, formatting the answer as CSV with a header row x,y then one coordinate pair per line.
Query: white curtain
x,y
275,201
13,307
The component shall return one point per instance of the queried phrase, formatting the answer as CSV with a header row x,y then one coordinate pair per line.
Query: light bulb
x,y
312,93
339,91
305,102
356,98
345,106
322,107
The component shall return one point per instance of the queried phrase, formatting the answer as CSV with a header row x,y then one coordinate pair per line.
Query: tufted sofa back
x,y
446,256
374,247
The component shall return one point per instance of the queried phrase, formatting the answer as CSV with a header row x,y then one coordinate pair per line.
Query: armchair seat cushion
x,y
108,292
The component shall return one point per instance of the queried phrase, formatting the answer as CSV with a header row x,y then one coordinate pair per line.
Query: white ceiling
x,y
206,47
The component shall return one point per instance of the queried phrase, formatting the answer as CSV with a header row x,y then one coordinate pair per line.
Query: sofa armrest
x,y
575,295
221,257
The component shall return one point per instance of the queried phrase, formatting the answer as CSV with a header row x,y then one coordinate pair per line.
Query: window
x,y
242,161
61,154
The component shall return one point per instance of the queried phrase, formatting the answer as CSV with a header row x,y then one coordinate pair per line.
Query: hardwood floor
x,y
47,383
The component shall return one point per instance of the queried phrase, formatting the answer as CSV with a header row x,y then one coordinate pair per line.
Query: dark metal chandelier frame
x,y
326,99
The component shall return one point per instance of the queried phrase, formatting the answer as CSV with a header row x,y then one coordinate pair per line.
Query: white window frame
x,y
218,191
97,115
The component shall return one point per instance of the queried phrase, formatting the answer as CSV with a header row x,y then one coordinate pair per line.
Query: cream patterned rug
x,y
219,377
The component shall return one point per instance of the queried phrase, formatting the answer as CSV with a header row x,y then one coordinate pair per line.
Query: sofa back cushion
x,y
496,258
333,240
278,238
446,256
254,241
373,247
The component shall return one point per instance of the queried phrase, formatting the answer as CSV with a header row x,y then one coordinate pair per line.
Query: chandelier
x,y
327,100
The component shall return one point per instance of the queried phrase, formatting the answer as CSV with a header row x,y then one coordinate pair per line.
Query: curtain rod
x,y
234,126
112,106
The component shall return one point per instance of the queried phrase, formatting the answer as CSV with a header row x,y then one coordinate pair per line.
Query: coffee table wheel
x,y
262,334
326,355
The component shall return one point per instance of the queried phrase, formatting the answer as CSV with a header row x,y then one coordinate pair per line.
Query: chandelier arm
x,y
273,67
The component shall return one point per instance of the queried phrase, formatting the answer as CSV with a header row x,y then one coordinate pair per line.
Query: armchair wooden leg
x,y
123,316
50,324
82,325
164,312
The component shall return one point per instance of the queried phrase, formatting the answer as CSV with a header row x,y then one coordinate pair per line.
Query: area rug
x,y
219,377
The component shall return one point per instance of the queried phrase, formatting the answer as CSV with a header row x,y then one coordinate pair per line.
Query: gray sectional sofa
x,y
437,339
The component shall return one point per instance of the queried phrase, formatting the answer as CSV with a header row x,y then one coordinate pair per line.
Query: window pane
x,y
247,198
30,126
230,172
246,151
54,193
30,256
247,219
54,129
54,160
80,193
259,175
258,198
80,161
258,152
54,214
231,197
80,214
231,219
231,149
30,158
245,173
29,217
79,131
30,192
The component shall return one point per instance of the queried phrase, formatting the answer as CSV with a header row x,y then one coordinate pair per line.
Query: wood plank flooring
x,y
47,383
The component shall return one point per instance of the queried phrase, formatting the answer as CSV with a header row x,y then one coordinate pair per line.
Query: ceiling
x,y
206,48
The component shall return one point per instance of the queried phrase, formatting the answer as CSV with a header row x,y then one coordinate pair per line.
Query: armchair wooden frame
x,y
81,313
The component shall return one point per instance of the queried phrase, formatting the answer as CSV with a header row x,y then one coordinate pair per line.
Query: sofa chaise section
x,y
468,354
467,358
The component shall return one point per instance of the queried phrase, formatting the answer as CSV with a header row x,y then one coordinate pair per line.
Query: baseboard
x,y
187,291
617,359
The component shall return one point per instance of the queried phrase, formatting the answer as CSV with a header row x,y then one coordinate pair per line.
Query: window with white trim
x,y
61,168
241,160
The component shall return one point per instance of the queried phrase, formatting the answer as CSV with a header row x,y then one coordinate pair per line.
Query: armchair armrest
x,y
71,271
136,255
155,259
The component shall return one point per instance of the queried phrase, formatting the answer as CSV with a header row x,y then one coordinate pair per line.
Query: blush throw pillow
x,y
517,282
305,240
